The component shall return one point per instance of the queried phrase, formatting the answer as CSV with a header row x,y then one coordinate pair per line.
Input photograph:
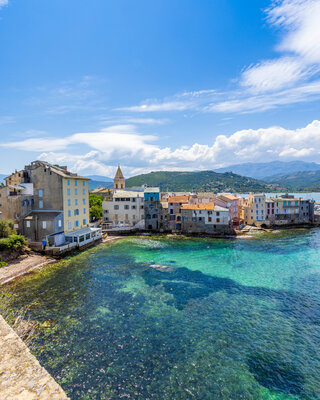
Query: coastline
x,y
30,263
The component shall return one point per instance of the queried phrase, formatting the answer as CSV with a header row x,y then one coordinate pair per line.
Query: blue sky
x,y
158,85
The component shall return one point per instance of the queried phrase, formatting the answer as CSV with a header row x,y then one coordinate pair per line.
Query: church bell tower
x,y
119,181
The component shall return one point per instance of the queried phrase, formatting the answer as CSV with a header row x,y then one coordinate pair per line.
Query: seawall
x,y
21,375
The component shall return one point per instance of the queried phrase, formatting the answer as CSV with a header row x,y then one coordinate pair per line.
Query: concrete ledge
x,y
21,375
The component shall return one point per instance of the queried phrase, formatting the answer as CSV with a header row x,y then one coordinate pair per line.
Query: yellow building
x,y
75,203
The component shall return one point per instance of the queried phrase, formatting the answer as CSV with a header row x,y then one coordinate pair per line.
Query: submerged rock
x,y
162,268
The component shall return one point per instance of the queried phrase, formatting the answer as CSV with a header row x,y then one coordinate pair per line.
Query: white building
x,y
125,210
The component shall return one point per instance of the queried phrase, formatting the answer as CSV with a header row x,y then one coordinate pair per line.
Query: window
x,y
141,207
40,204
69,225
76,224
218,219
69,213
59,223
116,207
76,202
133,207
126,207
40,192
85,221
68,182
84,183
75,183
209,219
28,224
84,201
83,191
68,192
133,217
76,191
81,239
69,203
44,224
218,213
84,211
87,236
76,211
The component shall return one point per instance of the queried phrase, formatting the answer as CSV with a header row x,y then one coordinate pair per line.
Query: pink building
x,y
232,203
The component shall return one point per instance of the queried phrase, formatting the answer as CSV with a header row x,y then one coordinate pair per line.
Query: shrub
x,y
3,264
6,228
12,242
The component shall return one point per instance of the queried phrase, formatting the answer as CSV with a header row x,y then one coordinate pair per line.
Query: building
x,y
255,209
164,218
125,210
174,209
287,210
205,218
231,202
152,208
119,181
270,211
45,201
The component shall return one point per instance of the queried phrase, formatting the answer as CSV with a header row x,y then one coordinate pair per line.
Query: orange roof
x,y
200,206
178,199
227,196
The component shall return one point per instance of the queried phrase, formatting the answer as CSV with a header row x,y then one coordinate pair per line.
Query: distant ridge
x,y
301,180
100,178
2,176
268,169
198,181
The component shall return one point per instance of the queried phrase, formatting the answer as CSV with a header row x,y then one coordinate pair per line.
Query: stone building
x,y
125,210
174,209
205,218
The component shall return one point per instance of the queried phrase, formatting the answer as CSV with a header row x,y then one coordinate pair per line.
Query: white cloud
x,y
300,18
141,153
165,106
3,3
273,74
292,76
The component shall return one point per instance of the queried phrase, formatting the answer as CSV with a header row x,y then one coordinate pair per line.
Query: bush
x,y
3,264
6,228
95,204
12,242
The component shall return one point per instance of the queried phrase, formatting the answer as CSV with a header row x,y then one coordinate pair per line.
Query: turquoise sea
x,y
170,318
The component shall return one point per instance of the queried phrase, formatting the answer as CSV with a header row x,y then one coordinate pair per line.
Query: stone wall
x,y
21,375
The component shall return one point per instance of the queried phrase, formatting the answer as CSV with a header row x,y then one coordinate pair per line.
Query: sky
x,y
158,85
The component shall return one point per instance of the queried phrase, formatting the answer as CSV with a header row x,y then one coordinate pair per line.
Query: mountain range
x,y
301,180
270,169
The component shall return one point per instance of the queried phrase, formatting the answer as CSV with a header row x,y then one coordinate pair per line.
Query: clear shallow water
x,y
158,318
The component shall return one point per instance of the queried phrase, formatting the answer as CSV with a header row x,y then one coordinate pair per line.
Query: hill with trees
x,y
198,181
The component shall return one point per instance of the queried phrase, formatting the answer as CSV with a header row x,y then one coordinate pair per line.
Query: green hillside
x,y
302,180
198,181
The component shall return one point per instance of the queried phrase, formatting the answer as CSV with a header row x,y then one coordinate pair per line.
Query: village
x,y
49,206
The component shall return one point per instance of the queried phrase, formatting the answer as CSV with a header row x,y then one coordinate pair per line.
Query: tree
x,y
95,204
6,228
